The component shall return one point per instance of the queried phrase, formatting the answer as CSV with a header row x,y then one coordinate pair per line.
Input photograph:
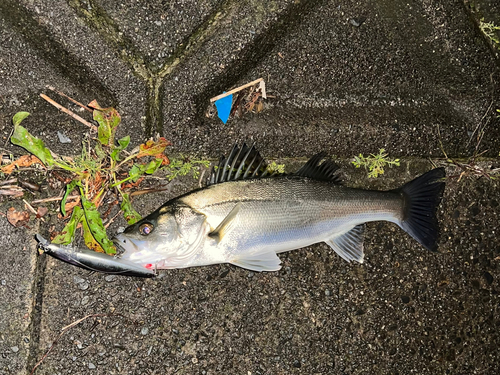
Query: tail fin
x,y
421,198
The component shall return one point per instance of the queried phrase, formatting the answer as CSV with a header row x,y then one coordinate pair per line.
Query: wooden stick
x,y
69,98
215,98
54,199
67,111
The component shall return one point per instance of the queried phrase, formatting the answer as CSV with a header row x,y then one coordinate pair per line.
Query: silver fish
x,y
245,217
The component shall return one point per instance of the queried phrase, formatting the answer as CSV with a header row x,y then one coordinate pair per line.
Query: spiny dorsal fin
x,y
318,170
242,163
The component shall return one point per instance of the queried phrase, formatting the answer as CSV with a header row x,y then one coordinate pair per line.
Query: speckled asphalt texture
x,y
346,77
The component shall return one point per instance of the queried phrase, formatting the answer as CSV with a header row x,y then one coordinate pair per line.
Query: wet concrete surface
x,y
346,77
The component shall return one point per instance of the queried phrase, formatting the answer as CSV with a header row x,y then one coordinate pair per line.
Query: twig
x,y
64,330
112,219
69,98
29,206
67,111
54,199
215,98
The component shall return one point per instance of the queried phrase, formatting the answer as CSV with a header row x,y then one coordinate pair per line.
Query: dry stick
x,y
67,111
29,206
64,330
112,219
215,98
69,98
54,199
7,182
479,125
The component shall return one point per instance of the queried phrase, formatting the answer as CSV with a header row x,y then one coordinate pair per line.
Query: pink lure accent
x,y
148,266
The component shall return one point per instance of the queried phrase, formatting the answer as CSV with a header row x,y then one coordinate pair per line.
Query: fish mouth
x,y
124,246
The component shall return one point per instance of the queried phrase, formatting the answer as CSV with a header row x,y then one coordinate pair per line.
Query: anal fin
x,y
349,245
226,225
258,261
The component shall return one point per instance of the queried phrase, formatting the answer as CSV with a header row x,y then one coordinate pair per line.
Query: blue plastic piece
x,y
224,107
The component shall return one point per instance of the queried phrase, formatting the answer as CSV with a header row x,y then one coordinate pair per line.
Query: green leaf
x,y
136,171
122,145
93,227
68,233
108,119
21,137
19,117
153,166
69,189
131,215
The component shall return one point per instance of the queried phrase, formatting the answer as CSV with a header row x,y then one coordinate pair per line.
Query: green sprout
x,y
184,166
275,168
375,163
490,30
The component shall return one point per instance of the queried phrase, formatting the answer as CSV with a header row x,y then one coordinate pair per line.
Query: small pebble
x,y
83,286
144,331
91,366
357,22
328,292
85,300
78,280
110,278
488,277
194,360
15,349
63,138
4,282
405,299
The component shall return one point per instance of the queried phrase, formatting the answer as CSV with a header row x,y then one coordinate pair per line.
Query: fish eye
x,y
146,229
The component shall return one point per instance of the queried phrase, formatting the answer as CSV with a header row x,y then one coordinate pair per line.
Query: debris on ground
x,y
17,218
105,173
246,98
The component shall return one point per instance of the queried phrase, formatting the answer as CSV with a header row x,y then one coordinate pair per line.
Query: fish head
x,y
165,237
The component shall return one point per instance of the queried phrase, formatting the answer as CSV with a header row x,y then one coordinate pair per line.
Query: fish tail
x,y
421,198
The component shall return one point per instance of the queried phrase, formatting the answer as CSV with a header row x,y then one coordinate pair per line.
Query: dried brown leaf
x,y
17,218
23,161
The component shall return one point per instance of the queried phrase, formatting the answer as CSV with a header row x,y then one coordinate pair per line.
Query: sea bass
x,y
246,217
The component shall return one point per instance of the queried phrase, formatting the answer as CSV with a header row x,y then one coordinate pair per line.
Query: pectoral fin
x,y
349,245
226,225
258,261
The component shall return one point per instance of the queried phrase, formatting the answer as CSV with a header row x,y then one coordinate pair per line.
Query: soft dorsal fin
x,y
226,225
318,170
242,163
349,245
